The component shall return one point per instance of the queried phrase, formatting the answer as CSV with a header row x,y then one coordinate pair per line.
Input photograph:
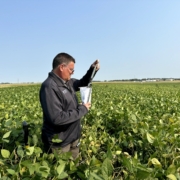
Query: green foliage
x,y
131,132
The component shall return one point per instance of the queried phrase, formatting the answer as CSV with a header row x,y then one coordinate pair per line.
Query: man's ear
x,y
61,67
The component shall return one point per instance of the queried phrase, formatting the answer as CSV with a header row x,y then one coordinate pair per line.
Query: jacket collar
x,y
58,80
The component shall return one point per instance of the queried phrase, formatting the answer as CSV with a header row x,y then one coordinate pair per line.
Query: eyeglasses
x,y
72,70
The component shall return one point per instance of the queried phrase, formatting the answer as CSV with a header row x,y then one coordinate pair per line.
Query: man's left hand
x,y
97,64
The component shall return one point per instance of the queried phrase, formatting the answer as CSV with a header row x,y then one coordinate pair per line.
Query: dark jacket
x,y
61,110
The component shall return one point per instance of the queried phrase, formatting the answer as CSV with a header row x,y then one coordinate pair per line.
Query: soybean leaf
x,y
6,135
56,139
63,175
30,150
11,171
61,167
44,171
5,153
95,176
107,168
150,138
172,177
143,172
20,151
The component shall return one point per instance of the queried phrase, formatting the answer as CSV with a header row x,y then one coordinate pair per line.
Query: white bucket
x,y
85,94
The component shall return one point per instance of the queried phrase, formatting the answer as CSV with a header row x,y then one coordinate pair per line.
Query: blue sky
x,y
131,38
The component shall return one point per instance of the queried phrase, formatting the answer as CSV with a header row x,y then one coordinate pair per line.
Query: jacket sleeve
x,y
84,80
53,108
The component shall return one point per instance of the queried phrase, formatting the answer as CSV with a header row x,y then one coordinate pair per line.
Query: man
x,y
61,111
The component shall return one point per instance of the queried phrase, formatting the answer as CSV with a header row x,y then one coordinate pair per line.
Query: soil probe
x,y
90,82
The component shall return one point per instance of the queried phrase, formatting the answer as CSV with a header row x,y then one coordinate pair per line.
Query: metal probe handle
x,y
92,75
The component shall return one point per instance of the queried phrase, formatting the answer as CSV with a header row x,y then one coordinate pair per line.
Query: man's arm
x,y
84,81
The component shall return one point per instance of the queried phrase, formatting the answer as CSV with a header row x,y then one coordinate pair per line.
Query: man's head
x,y
63,66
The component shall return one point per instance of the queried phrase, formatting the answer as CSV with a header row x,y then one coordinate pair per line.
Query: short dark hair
x,y
62,58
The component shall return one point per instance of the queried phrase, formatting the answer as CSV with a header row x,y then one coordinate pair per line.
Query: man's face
x,y
67,71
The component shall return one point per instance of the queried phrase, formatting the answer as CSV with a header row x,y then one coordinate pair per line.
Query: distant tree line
x,y
143,79
5,83
134,80
18,83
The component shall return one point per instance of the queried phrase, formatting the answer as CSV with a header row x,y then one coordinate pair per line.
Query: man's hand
x,y
96,63
88,105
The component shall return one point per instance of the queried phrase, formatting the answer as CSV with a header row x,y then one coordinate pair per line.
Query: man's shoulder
x,y
49,82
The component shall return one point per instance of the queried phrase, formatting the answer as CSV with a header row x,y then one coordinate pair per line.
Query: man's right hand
x,y
88,105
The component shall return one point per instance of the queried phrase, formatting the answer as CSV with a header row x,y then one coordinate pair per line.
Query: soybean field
x,y
132,131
